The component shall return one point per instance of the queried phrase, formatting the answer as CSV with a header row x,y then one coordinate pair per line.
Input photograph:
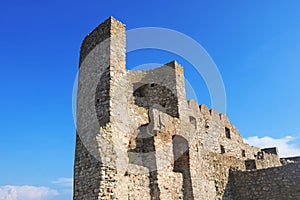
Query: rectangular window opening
x,y
227,133
222,149
243,153
193,121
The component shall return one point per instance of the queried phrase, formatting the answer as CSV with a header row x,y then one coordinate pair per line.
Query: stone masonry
x,y
139,138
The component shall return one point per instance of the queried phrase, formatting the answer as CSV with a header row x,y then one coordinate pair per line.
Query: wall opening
x,y
182,164
227,133
250,164
260,155
193,121
148,95
243,153
207,125
222,149
144,154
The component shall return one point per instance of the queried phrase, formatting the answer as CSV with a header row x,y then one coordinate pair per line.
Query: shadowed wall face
x,y
144,155
102,55
149,94
182,164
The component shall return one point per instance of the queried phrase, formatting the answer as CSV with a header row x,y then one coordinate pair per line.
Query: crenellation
x,y
139,138
204,109
214,114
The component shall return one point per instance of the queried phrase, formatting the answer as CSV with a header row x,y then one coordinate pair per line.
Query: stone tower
x,y
102,66
139,138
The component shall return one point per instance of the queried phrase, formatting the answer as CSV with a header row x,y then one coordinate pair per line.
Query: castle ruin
x,y
138,137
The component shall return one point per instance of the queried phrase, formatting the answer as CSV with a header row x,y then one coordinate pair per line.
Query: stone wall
x,y
98,120
288,160
273,183
139,138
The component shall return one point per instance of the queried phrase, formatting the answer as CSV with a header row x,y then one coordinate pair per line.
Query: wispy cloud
x,y
65,186
285,145
26,192
64,182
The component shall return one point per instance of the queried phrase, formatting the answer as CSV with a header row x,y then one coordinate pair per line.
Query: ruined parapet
x,y
265,158
268,157
271,150
288,160
158,86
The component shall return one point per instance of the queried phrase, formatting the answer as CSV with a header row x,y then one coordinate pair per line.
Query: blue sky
x,y
255,45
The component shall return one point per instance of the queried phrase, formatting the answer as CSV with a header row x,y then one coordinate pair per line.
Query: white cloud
x,y
64,182
285,146
65,186
26,192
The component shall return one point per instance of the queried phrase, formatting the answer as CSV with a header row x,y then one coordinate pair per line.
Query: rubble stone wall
x,y
273,183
